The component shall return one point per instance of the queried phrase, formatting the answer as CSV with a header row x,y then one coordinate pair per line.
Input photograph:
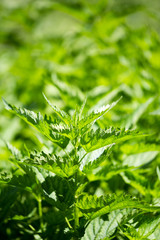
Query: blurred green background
x,y
70,49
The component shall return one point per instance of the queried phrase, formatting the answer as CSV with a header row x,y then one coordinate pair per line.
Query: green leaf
x,y
125,202
137,181
15,152
140,159
93,140
63,115
96,114
21,217
94,207
59,192
147,224
143,226
8,196
52,129
63,167
27,181
99,229
94,159
107,172
67,94
156,112
89,203
110,94
136,115
137,148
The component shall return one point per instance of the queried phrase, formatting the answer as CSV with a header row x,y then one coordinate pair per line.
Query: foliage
x,y
61,179
91,167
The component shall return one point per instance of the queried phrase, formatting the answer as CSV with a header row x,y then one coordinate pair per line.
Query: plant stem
x,y
68,223
76,216
76,222
40,213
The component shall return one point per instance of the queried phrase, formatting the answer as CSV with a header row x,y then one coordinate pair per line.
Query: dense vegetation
x,y
82,160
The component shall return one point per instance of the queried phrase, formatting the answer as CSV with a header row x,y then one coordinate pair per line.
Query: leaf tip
x,y
6,104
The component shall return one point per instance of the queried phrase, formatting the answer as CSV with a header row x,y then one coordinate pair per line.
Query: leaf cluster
x,y
62,183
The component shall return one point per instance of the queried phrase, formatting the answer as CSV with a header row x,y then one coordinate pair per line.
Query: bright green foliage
x,y
60,179
90,167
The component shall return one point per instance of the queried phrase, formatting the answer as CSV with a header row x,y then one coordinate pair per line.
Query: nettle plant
x,y
60,181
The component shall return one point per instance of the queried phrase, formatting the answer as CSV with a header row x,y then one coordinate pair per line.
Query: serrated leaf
x,y
137,181
99,229
94,207
88,202
63,115
57,133
26,182
96,114
93,140
15,152
58,165
93,159
58,192
147,224
143,226
107,172
63,167
125,202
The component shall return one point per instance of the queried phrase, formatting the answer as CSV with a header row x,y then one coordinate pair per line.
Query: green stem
x,y
68,223
76,222
76,215
40,213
